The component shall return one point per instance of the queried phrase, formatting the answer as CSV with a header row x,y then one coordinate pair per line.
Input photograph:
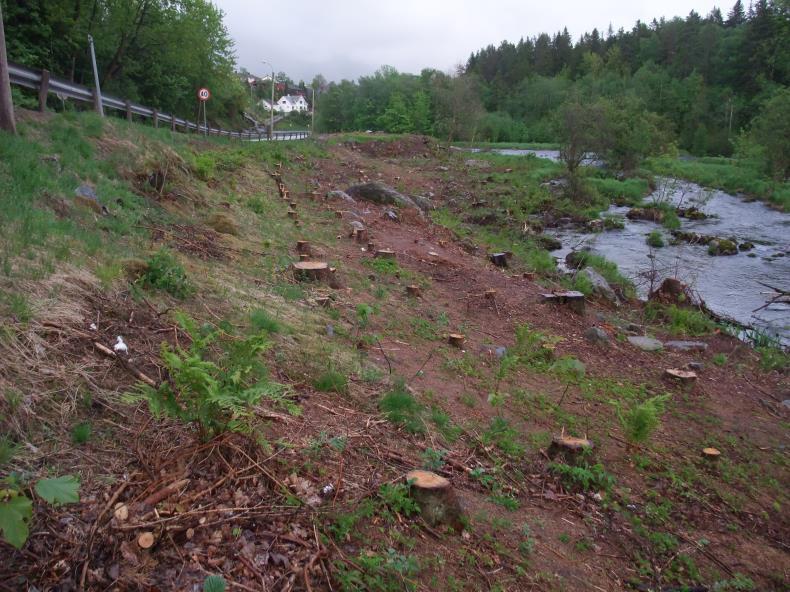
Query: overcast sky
x,y
351,38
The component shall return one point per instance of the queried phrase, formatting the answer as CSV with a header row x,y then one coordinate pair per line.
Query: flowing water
x,y
731,286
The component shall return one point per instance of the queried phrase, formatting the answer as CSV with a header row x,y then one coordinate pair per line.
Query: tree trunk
x,y
7,122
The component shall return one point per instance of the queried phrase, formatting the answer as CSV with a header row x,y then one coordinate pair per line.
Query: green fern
x,y
641,420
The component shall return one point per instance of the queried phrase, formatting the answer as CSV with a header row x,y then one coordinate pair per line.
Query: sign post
x,y
203,95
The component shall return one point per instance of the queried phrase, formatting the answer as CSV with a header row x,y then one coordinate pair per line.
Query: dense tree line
x,y
707,77
157,52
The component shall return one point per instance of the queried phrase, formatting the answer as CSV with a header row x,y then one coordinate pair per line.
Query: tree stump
x,y
371,247
304,257
281,187
338,214
292,205
499,259
297,223
278,165
528,275
456,340
311,271
302,246
360,235
572,299
146,540
285,194
569,448
292,214
490,294
711,454
323,301
413,291
681,376
437,501
385,254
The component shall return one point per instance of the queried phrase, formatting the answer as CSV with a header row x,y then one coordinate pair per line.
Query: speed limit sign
x,y
204,94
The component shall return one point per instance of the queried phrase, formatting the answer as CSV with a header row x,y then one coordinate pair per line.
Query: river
x,y
729,285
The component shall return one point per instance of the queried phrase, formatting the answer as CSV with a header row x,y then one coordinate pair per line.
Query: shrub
x,y
655,240
219,395
331,381
261,320
680,320
583,477
639,421
164,272
81,433
399,406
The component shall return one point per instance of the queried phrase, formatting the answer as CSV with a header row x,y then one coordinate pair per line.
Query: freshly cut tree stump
x,y
371,247
490,294
499,259
413,291
285,194
281,187
297,223
385,254
311,271
359,234
682,376
302,246
338,214
146,540
569,448
292,214
572,299
292,205
304,257
278,165
456,340
437,501
528,275
711,454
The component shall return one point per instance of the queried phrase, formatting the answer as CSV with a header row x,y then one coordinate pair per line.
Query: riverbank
x,y
411,350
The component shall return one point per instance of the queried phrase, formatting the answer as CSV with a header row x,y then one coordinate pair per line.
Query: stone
x,y
548,242
600,286
379,193
746,246
391,215
596,335
340,196
786,403
686,346
424,203
86,195
695,366
722,247
647,344
576,259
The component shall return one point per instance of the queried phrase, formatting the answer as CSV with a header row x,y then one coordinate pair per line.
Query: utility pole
x,y
7,121
99,102
271,106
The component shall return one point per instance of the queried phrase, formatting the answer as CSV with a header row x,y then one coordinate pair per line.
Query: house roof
x,y
293,99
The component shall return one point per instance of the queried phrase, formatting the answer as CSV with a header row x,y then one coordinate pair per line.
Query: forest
x,y
156,52
707,78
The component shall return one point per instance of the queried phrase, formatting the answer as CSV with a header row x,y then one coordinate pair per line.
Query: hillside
x,y
259,428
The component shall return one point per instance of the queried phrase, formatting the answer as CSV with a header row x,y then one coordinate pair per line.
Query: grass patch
x,y
331,381
678,320
400,406
164,272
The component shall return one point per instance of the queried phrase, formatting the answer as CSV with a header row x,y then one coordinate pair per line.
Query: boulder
x,y
600,286
597,335
645,343
379,193
548,242
339,196
722,246
85,195
576,259
424,203
686,346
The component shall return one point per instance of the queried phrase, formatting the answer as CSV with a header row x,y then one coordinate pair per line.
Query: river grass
x,y
727,174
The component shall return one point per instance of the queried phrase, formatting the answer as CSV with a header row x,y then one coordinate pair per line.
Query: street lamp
x,y
271,105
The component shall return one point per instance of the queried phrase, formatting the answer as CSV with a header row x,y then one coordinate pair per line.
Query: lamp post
x,y
271,105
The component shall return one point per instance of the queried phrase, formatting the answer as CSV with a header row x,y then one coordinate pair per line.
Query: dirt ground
x,y
266,517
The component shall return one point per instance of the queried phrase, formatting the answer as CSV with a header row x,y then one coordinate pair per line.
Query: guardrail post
x,y
156,118
97,102
43,90
128,111
172,123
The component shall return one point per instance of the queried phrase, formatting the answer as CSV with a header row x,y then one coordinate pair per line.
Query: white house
x,y
290,103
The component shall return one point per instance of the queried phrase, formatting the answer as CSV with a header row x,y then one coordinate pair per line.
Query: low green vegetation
x,y
331,381
679,320
655,239
162,271
585,477
399,406
640,420
216,382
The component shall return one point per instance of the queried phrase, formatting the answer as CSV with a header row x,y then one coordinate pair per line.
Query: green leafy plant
x,y
396,497
719,359
218,395
379,572
503,436
432,459
16,509
655,240
164,272
400,406
331,381
261,320
584,477
81,433
214,584
641,419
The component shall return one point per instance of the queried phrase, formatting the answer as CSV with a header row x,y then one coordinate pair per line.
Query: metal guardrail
x,y
45,83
